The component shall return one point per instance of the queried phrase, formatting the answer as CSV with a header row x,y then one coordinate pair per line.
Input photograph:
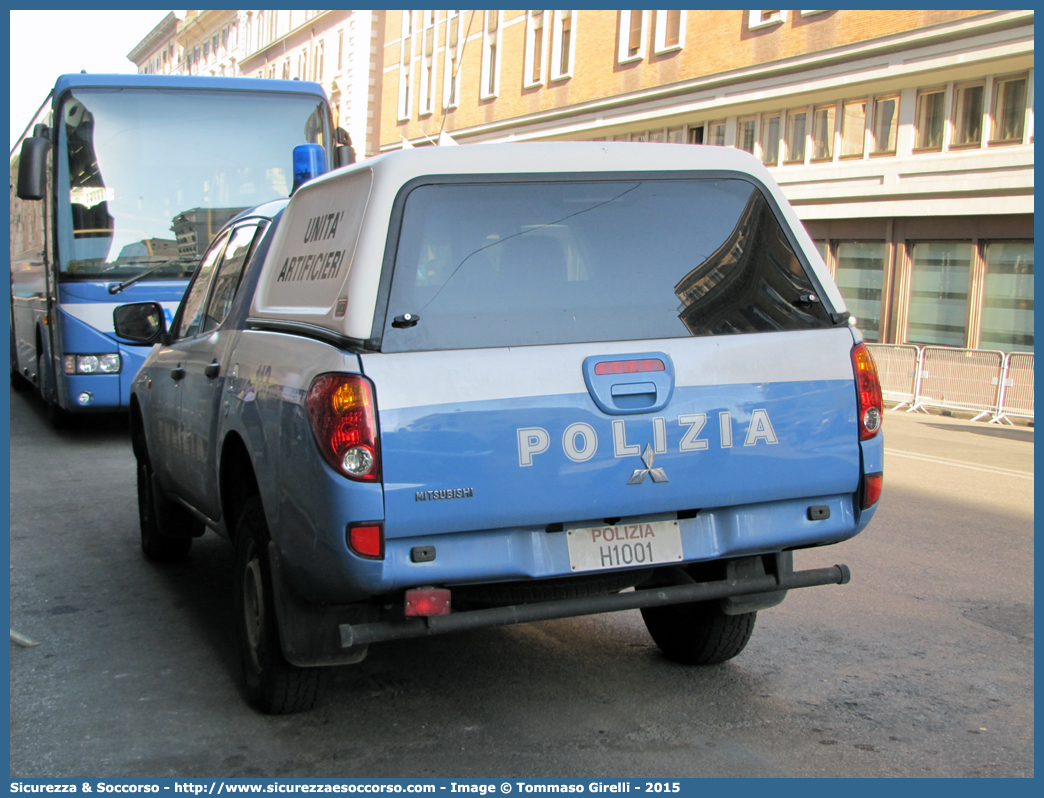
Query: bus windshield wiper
x,y
116,288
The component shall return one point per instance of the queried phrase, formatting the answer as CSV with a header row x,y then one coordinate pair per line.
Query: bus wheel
x,y
18,382
59,418
154,544
273,685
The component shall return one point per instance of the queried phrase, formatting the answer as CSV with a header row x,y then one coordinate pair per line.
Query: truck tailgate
x,y
498,438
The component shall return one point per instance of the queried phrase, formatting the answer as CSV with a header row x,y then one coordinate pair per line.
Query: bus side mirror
x,y
32,168
343,150
141,323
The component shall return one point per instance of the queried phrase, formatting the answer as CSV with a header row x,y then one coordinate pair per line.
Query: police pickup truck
x,y
457,387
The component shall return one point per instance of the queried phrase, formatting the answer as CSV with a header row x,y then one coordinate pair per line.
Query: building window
x,y
967,114
536,52
823,132
1007,308
763,19
696,134
795,141
490,48
938,312
643,136
1009,110
859,273
716,133
669,31
930,117
658,136
405,65
320,56
676,135
563,45
286,69
427,66
632,36
451,63
886,125
747,133
770,139
853,128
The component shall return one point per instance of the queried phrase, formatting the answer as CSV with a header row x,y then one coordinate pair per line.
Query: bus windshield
x,y
145,178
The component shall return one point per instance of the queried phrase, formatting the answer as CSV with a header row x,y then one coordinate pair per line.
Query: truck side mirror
x,y
141,323
32,168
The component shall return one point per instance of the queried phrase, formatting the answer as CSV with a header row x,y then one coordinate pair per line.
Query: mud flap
x,y
309,633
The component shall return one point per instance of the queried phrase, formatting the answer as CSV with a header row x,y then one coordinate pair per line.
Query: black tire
x,y
20,383
273,685
155,545
59,418
698,634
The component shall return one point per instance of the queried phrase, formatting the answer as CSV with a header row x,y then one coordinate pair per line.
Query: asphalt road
x,y
921,666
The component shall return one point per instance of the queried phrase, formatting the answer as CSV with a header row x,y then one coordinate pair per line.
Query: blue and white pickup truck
x,y
456,387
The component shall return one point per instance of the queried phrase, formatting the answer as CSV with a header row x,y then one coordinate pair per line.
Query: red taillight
x,y
872,485
425,601
341,415
868,393
628,366
366,540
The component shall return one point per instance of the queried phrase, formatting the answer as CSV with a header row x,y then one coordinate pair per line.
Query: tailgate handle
x,y
633,388
212,370
635,382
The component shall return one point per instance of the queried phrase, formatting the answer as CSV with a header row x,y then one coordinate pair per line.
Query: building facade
x,y
337,49
211,43
159,53
904,139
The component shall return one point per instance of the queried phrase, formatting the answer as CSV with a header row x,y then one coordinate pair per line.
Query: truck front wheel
x,y
274,686
700,633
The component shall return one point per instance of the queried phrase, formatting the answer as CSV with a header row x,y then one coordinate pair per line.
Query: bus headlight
x,y
92,364
109,364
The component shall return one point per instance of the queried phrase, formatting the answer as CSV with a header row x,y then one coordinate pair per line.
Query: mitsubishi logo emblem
x,y
638,477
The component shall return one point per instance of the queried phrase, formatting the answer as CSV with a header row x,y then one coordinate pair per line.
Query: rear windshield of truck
x,y
518,264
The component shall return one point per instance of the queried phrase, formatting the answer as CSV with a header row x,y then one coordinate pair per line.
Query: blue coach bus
x,y
122,180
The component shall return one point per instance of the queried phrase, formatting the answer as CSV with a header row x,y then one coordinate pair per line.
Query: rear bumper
x,y
365,633
323,634
522,553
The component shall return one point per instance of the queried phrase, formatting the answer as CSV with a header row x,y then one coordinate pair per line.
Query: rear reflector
x,y
366,540
872,485
628,366
425,601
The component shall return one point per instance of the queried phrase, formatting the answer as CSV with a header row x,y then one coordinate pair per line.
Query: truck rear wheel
x,y
700,633
274,686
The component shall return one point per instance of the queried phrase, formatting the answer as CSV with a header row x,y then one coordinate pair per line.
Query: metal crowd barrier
x,y
981,381
897,367
1016,388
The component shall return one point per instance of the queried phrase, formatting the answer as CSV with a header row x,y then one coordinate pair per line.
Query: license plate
x,y
624,545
